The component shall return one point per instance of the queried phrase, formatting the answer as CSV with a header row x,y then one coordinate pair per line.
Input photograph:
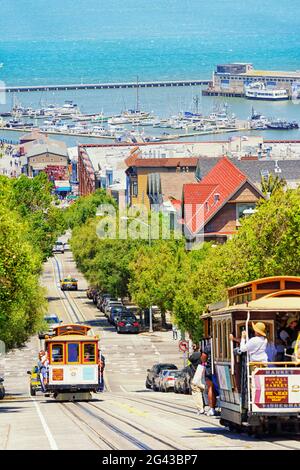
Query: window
x,y
241,325
134,188
240,208
89,353
220,341
73,352
57,353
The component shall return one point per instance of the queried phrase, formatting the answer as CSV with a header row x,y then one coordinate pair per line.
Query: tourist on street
x,y
175,332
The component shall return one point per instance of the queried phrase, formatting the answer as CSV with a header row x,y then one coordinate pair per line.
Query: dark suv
x,y
154,372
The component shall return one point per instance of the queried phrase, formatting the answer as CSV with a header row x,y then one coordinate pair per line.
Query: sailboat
x,y
135,114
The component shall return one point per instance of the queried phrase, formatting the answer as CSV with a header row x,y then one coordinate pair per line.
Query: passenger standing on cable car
x,y
256,346
101,367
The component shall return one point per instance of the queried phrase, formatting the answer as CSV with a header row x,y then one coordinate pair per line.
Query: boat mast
x,y
137,94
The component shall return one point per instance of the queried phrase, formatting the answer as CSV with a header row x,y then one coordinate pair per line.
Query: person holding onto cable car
x,y
256,346
43,364
101,366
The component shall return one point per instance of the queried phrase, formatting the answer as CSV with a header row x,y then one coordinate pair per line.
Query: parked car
x,y
127,323
2,389
34,380
167,381
90,292
52,321
115,314
106,300
111,304
158,380
154,372
95,295
182,382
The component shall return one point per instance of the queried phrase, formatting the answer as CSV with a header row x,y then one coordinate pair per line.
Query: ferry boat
x,y
279,124
259,91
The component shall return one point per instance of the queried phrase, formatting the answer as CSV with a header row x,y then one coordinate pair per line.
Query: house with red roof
x,y
213,207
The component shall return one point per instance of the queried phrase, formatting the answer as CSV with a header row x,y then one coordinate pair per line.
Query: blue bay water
x,y
73,41
96,40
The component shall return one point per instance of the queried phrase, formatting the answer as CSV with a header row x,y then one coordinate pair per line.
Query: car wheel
x,y
32,392
148,385
154,386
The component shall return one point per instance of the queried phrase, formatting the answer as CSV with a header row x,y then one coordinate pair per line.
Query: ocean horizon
x,y
92,41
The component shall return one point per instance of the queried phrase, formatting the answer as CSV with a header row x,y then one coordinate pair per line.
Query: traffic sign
x,y
183,346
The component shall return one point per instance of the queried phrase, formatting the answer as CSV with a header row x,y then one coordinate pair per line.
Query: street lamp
x,y
149,241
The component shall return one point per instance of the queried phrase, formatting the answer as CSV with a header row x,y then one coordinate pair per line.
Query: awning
x,y
62,186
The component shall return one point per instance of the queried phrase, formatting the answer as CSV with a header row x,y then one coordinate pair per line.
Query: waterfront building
x,y
44,154
233,78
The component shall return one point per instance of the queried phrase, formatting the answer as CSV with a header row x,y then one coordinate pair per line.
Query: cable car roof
x,y
70,338
267,304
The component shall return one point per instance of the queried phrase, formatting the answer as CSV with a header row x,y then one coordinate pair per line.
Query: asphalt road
x,y
126,415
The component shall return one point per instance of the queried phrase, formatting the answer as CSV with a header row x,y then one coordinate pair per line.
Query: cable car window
x,y
220,352
57,353
89,352
73,352
224,333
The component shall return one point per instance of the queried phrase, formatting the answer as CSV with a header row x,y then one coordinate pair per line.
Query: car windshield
x,y
117,309
51,320
127,318
168,366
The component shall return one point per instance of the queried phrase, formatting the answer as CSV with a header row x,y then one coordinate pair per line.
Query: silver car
x,y
167,380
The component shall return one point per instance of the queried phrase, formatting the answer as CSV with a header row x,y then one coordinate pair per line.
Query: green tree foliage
x,y
29,225
33,200
21,298
272,183
85,208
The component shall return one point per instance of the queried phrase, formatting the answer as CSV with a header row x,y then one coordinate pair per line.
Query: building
x,y
148,173
45,155
102,166
234,77
213,207
157,180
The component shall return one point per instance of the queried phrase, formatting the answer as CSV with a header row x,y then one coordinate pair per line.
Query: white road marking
x,y
48,433
123,389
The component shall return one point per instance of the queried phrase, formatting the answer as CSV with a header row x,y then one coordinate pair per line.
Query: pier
x,y
105,86
163,137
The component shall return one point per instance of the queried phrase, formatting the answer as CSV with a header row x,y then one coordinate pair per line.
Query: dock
x,y
105,86
226,93
162,138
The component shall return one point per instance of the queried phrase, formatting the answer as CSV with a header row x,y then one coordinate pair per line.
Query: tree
x,y
272,183
85,208
22,302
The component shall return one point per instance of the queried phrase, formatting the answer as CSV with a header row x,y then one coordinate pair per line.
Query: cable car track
x,y
64,296
198,419
171,445
119,432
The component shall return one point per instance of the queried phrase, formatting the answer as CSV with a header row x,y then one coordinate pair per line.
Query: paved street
x,y
126,415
